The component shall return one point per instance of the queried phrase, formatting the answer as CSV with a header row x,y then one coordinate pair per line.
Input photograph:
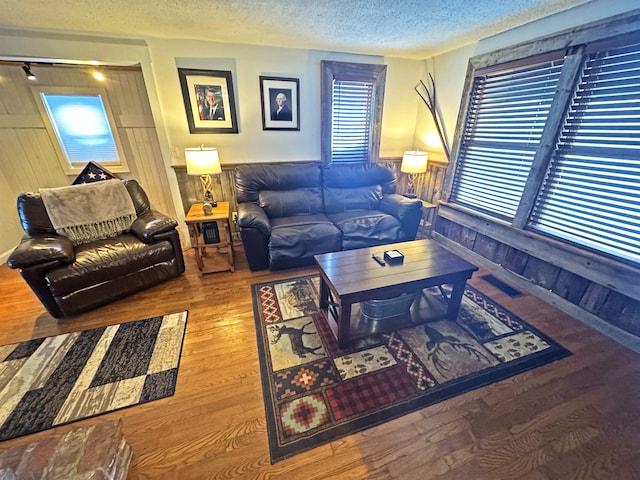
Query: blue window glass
x,y
82,127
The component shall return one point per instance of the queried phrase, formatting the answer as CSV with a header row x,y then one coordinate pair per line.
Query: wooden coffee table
x,y
353,276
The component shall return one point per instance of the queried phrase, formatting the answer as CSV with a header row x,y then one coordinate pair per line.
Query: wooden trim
x,y
457,136
615,275
548,296
553,127
330,70
615,26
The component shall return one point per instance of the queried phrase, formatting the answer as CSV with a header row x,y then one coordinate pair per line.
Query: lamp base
x,y
410,195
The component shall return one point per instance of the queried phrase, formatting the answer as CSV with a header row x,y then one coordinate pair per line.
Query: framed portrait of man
x,y
209,101
280,100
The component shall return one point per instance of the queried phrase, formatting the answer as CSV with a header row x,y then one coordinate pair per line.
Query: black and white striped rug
x,y
50,381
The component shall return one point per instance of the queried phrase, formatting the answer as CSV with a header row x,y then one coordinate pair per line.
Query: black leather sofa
x,y
72,279
289,212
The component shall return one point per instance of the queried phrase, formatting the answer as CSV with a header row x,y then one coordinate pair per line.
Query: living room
x,y
220,363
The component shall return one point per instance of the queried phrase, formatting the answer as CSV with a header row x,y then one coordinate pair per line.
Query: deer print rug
x,y
315,392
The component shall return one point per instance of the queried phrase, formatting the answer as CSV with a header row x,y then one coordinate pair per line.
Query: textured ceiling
x,y
402,28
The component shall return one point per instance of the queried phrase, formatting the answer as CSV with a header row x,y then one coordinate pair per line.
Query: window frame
x,y
65,163
357,72
576,44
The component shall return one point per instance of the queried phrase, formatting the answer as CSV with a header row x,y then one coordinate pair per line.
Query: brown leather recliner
x,y
72,279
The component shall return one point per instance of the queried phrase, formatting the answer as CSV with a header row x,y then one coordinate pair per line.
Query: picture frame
x,y
283,116
209,88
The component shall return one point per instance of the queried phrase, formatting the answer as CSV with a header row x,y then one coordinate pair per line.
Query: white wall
x,y
160,59
247,63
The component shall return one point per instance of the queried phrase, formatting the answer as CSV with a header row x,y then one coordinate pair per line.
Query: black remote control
x,y
378,259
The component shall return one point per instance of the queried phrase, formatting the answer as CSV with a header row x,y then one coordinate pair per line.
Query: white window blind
x,y
505,119
82,127
351,121
591,194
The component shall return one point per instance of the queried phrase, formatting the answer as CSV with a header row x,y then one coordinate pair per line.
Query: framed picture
x,y
209,100
280,98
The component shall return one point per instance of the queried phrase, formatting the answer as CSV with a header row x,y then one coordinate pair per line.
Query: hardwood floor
x,y
577,418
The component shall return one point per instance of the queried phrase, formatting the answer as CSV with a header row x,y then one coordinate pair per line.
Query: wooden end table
x,y
211,257
353,276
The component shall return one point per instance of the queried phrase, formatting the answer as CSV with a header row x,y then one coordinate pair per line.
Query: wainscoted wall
x,y
600,291
27,154
428,185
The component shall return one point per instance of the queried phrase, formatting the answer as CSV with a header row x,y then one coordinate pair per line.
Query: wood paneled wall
x,y
28,158
585,285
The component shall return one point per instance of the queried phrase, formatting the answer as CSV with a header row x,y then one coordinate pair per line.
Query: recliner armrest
x,y
152,223
251,215
407,210
41,249
399,206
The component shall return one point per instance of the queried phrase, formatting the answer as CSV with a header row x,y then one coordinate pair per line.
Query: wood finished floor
x,y
577,418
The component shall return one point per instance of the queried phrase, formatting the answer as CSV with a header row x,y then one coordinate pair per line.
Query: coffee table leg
x,y
455,299
324,294
344,325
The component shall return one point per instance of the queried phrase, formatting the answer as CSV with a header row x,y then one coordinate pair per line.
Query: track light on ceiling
x,y
98,75
27,71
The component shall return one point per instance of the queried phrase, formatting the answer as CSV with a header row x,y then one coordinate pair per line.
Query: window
x,y
352,99
553,146
80,121
507,113
591,193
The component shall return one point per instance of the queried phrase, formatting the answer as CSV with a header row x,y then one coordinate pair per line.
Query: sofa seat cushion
x,y
295,240
105,260
367,228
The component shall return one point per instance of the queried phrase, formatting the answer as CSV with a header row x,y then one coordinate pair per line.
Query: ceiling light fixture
x,y
98,75
27,71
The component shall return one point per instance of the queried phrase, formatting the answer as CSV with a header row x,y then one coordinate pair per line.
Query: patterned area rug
x,y
55,380
315,392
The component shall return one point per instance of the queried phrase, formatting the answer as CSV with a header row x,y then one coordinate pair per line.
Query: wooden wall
x,y
428,185
28,159
585,285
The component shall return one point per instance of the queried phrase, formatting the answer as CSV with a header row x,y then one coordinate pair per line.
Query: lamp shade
x,y
414,162
202,161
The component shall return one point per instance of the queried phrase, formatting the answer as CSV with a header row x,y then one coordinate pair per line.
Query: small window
x,y
81,124
352,99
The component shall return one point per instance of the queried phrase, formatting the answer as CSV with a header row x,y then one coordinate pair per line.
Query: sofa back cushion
x,y
283,190
35,220
348,187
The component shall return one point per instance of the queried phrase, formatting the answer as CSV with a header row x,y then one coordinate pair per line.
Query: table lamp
x,y
204,161
413,162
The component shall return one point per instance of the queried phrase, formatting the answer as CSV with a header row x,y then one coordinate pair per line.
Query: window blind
x,y
351,121
505,119
591,193
82,128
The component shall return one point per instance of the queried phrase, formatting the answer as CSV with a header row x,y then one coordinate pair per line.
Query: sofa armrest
x,y
251,215
152,223
407,210
41,249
